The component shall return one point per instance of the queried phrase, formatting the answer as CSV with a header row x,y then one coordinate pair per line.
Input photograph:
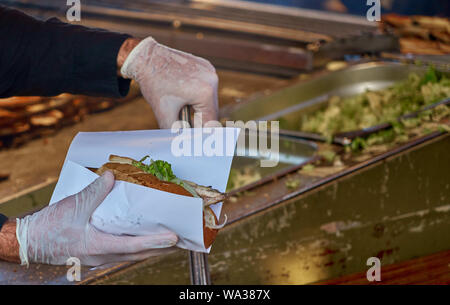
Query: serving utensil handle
x,y
198,262
185,115
199,269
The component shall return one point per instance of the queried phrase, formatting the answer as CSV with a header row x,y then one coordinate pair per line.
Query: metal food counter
x,y
306,221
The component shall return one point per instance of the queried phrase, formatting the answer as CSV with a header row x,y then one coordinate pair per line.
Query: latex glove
x,y
62,230
170,79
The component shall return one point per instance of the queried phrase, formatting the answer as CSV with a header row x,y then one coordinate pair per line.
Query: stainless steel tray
x,y
291,103
292,154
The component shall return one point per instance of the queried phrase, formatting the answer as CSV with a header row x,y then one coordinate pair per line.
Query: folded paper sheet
x,y
203,156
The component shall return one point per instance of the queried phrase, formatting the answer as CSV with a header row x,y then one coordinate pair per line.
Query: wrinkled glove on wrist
x,y
170,79
62,230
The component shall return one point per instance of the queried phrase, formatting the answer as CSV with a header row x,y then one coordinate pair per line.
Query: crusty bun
x,y
124,171
19,101
209,234
132,174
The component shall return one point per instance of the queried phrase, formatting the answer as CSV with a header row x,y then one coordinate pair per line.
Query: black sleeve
x,y
51,57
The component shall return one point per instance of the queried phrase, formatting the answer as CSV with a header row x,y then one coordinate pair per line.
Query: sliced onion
x,y
210,221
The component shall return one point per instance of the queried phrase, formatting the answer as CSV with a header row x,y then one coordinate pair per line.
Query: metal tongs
x,y
198,262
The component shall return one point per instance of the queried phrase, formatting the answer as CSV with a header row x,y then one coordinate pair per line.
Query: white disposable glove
x,y
170,79
62,230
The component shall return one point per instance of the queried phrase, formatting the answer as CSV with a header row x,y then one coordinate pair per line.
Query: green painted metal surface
x,y
396,210
32,201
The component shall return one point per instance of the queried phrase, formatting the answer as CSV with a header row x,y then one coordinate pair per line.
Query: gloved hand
x,y
62,230
170,79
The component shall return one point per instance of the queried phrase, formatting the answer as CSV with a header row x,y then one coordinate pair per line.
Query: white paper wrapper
x,y
137,210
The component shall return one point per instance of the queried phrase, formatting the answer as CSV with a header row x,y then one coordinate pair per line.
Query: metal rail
x,y
198,262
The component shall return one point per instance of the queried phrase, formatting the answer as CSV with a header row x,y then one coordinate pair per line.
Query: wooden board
x,y
428,270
